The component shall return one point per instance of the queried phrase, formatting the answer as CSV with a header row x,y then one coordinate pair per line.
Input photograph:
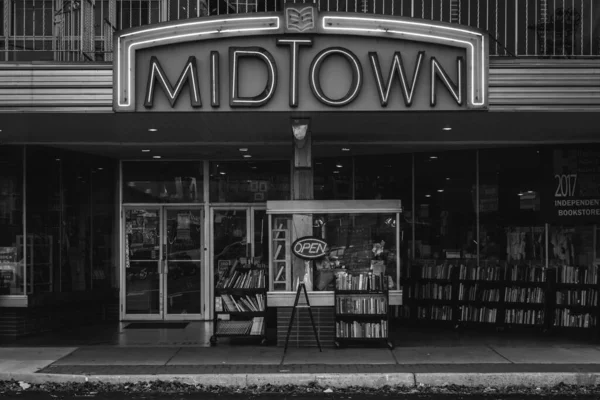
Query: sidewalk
x,y
534,364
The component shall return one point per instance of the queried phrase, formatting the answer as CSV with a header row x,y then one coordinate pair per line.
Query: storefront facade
x,y
215,141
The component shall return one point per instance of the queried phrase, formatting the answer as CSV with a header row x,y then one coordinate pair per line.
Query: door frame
x,y
249,208
162,315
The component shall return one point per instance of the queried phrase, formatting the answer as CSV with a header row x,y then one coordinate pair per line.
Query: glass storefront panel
x,y
333,178
45,228
512,229
162,182
104,263
445,211
11,220
249,182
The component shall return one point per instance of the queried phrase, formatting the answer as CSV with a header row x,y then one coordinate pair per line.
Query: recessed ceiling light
x,y
145,150
100,168
58,159
155,156
152,130
433,158
447,128
338,165
253,167
222,173
243,149
447,179
345,149
440,190
520,194
247,156
427,195
336,172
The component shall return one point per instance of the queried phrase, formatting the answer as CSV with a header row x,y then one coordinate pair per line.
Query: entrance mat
x,y
157,325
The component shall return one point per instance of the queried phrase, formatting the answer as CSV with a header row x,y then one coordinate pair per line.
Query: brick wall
x,y
302,334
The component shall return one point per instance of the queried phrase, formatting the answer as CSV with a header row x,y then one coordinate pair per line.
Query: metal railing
x,y
82,30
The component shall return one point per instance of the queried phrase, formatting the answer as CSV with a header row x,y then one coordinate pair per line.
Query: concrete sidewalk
x,y
229,365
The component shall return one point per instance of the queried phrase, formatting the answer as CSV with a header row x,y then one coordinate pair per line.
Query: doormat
x,y
157,325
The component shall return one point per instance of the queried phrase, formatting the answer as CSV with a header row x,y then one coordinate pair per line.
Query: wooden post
x,y
302,189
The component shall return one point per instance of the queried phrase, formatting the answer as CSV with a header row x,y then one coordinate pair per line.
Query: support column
x,y
302,189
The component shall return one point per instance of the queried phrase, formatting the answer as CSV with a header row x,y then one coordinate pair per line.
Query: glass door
x,y
163,252
142,270
183,263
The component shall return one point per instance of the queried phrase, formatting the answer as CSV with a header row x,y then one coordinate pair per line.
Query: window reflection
x,y
162,182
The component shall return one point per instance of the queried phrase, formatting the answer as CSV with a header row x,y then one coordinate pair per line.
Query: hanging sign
x,y
573,187
310,248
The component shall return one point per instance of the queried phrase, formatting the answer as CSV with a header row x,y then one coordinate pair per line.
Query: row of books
x,y
524,295
524,317
431,291
586,297
525,273
478,314
361,305
357,329
477,293
439,313
229,303
363,281
254,326
565,318
443,271
240,279
476,273
569,274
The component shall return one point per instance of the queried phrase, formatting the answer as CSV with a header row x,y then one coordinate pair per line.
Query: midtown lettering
x,y
386,78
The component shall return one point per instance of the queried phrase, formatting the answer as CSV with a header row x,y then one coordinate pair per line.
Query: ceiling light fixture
x,y
345,149
440,190
433,158
427,195
100,168
338,165
145,150
222,173
243,149
447,128
247,156
156,157
336,172
152,130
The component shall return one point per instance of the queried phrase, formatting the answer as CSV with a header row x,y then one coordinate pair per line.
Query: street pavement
x,y
534,365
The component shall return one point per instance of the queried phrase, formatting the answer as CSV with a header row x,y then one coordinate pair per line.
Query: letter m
x,y
157,74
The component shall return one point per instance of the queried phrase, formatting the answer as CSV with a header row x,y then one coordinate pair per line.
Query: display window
x,y
364,240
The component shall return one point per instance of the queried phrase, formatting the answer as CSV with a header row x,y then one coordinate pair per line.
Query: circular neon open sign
x,y
310,248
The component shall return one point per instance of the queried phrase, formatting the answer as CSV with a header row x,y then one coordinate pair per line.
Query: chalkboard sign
x,y
572,190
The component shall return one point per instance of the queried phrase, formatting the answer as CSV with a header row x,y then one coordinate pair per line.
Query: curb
x,y
375,380
333,380
508,379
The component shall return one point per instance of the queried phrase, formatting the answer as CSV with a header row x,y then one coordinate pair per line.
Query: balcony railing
x,y
82,30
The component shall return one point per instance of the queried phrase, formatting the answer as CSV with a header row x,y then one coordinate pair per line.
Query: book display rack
x,y
240,300
361,309
503,297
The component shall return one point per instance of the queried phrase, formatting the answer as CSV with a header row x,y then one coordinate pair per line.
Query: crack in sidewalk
x,y
496,351
173,356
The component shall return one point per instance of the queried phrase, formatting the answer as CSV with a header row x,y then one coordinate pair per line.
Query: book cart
x,y
240,301
361,309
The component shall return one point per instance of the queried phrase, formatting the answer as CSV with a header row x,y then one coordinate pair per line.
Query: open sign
x,y
310,248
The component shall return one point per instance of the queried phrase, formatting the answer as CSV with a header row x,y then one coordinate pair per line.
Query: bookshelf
x,y
575,298
240,300
461,293
361,309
